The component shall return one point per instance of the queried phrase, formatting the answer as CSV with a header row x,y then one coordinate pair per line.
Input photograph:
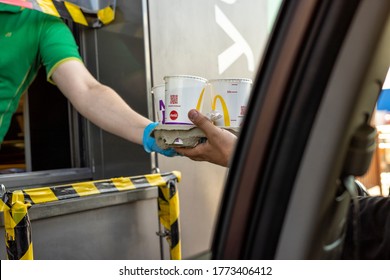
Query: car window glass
x,y
377,179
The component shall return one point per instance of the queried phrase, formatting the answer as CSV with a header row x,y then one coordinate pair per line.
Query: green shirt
x,y
28,40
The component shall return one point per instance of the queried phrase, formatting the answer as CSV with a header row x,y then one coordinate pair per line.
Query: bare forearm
x,y
99,103
106,109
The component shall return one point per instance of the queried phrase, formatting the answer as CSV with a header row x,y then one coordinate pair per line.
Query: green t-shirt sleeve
x,y
56,45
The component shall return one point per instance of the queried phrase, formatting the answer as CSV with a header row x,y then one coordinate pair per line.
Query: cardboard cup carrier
x,y
230,98
158,93
182,93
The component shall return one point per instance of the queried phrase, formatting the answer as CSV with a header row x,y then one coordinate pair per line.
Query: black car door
x,y
287,194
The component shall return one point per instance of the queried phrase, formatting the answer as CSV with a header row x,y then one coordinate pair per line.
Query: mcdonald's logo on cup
x,y
230,98
182,93
158,93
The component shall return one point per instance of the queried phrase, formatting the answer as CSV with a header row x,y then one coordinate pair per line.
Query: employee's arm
x,y
98,103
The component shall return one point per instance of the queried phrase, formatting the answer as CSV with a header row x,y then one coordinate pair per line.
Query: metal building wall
x,y
211,39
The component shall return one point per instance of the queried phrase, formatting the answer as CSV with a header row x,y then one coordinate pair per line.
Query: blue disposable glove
x,y
150,143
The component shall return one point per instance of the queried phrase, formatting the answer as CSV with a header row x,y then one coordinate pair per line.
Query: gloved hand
x,y
150,143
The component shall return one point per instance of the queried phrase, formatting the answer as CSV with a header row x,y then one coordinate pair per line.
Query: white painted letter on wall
x,y
240,46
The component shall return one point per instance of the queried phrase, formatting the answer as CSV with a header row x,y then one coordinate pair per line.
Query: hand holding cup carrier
x,y
224,100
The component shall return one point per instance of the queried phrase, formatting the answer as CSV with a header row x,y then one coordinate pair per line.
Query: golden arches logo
x,y
199,104
226,117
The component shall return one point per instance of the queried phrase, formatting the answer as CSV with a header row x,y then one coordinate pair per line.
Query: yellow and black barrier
x,y
70,10
16,203
17,226
169,211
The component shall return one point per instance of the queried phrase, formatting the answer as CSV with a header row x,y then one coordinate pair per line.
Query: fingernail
x,y
193,114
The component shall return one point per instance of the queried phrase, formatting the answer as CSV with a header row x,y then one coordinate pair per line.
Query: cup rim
x,y
243,80
187,77
157,86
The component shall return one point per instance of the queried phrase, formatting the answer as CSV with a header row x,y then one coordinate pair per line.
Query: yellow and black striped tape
x,y
70,11
169,211
82,189
17,227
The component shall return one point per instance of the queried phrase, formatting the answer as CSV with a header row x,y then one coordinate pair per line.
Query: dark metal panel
x,y
115,55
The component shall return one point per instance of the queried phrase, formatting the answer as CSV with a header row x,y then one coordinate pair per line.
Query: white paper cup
x,y
230,97
158,93
182,93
